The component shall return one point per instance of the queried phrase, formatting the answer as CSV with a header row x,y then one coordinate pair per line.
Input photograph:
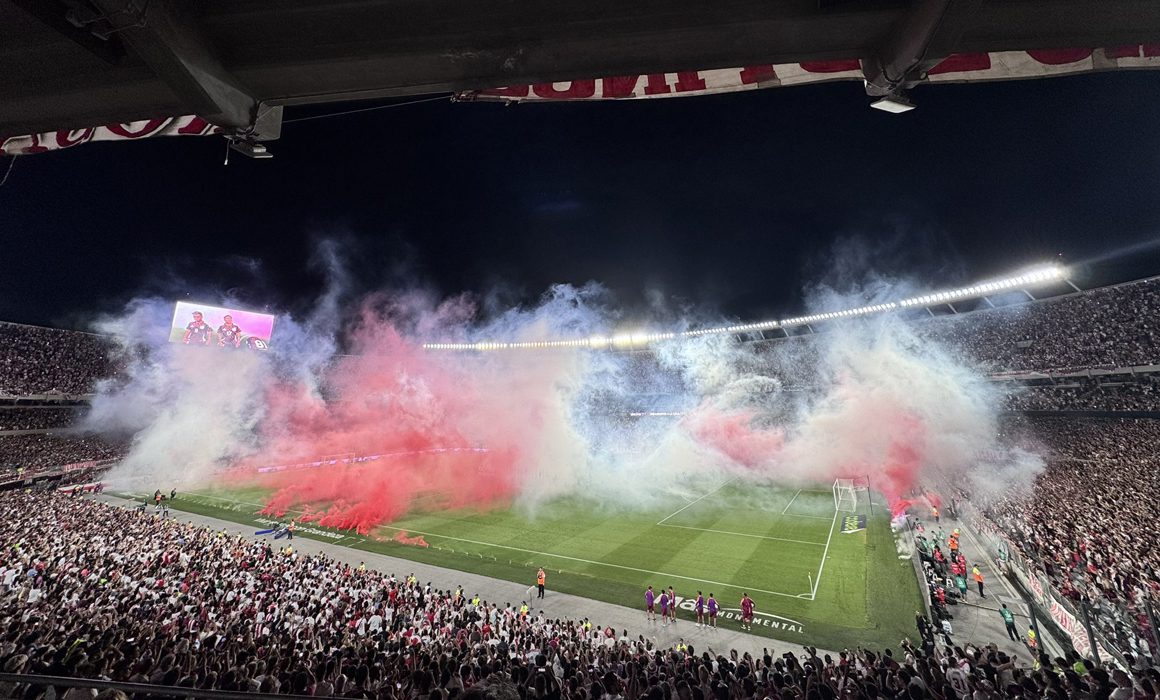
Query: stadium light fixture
x,y
894,104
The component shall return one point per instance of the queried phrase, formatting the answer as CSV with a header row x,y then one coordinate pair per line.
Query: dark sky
x,y
728,202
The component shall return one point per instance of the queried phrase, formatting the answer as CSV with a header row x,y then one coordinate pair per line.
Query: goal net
x,y
845,496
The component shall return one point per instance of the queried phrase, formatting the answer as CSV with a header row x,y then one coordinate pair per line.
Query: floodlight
x,y
253,149
895,104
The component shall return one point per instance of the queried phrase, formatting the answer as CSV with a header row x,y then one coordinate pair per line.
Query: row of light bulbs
x,y
627,340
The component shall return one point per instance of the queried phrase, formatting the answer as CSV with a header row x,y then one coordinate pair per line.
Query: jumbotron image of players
x,y
229,335
197,332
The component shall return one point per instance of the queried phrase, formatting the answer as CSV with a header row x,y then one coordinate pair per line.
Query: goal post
x,y
845,496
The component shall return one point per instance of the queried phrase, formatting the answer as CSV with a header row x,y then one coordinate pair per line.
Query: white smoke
x,y
872,396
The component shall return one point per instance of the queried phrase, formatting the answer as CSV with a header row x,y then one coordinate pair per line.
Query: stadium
x,y
601,351
835,562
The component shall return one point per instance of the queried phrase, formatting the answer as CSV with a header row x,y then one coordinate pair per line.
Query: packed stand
x,y
94,591
1088,523
31,452
1105,328
1109,327
35,360
36,418
1143,396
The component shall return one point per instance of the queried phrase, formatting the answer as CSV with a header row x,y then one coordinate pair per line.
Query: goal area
x,y
846,493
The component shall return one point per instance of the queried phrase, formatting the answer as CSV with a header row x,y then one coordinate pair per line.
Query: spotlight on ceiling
x,y
253,149
895,104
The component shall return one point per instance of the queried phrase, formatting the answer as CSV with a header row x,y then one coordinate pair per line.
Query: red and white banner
x,y
77,466
1076,631
56,140
1001,65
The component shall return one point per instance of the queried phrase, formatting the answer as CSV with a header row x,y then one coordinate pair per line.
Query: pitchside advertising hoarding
x,y
220,327
763,619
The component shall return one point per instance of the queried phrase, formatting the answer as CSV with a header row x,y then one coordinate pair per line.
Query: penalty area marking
x,y
690,503
826,551
784,511
787,505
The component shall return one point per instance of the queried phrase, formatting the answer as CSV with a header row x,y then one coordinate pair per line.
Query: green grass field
x,y
785,548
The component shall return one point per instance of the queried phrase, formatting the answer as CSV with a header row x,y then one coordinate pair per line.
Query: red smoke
x,y
416,541
391,398
735,435
902,461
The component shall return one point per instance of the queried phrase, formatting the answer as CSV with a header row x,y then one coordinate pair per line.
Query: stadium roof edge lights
x,y
1036,276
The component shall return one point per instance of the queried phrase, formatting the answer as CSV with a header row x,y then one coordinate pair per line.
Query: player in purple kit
x,y
700,607
650,612
746,612
672,606
197,331
664,608
712,611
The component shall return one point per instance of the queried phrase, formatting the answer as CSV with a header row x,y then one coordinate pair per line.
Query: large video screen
x,y
217,327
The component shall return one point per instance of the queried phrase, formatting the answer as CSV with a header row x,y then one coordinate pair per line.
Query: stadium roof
x,y
70,64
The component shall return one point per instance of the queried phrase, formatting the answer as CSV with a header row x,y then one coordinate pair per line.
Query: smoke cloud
x,y
399,427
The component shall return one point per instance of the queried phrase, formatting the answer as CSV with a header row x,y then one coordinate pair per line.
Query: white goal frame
x,y
845,496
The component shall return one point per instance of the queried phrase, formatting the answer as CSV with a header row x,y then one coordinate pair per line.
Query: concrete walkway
x,y
720,640
977,621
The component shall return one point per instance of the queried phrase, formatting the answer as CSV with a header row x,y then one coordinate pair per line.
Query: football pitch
x,y
814,581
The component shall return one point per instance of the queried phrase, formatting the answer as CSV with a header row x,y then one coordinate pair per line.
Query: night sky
x,y
727,203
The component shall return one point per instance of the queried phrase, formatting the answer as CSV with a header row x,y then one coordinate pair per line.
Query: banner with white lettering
x,y
56,140
999,65
1076,631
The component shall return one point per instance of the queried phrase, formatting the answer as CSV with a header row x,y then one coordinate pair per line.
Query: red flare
x,y
416,541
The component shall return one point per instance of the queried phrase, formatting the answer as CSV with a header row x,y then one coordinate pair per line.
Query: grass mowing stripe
x,y
742,534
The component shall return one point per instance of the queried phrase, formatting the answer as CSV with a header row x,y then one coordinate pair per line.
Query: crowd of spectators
x,y
1088,524
35,360
1108,327
1086,396
31,452
36,418
90,590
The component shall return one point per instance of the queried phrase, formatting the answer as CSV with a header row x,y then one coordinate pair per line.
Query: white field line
x,y
589,561
745,534
818,578
784,511
803,515
787,505
727,482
